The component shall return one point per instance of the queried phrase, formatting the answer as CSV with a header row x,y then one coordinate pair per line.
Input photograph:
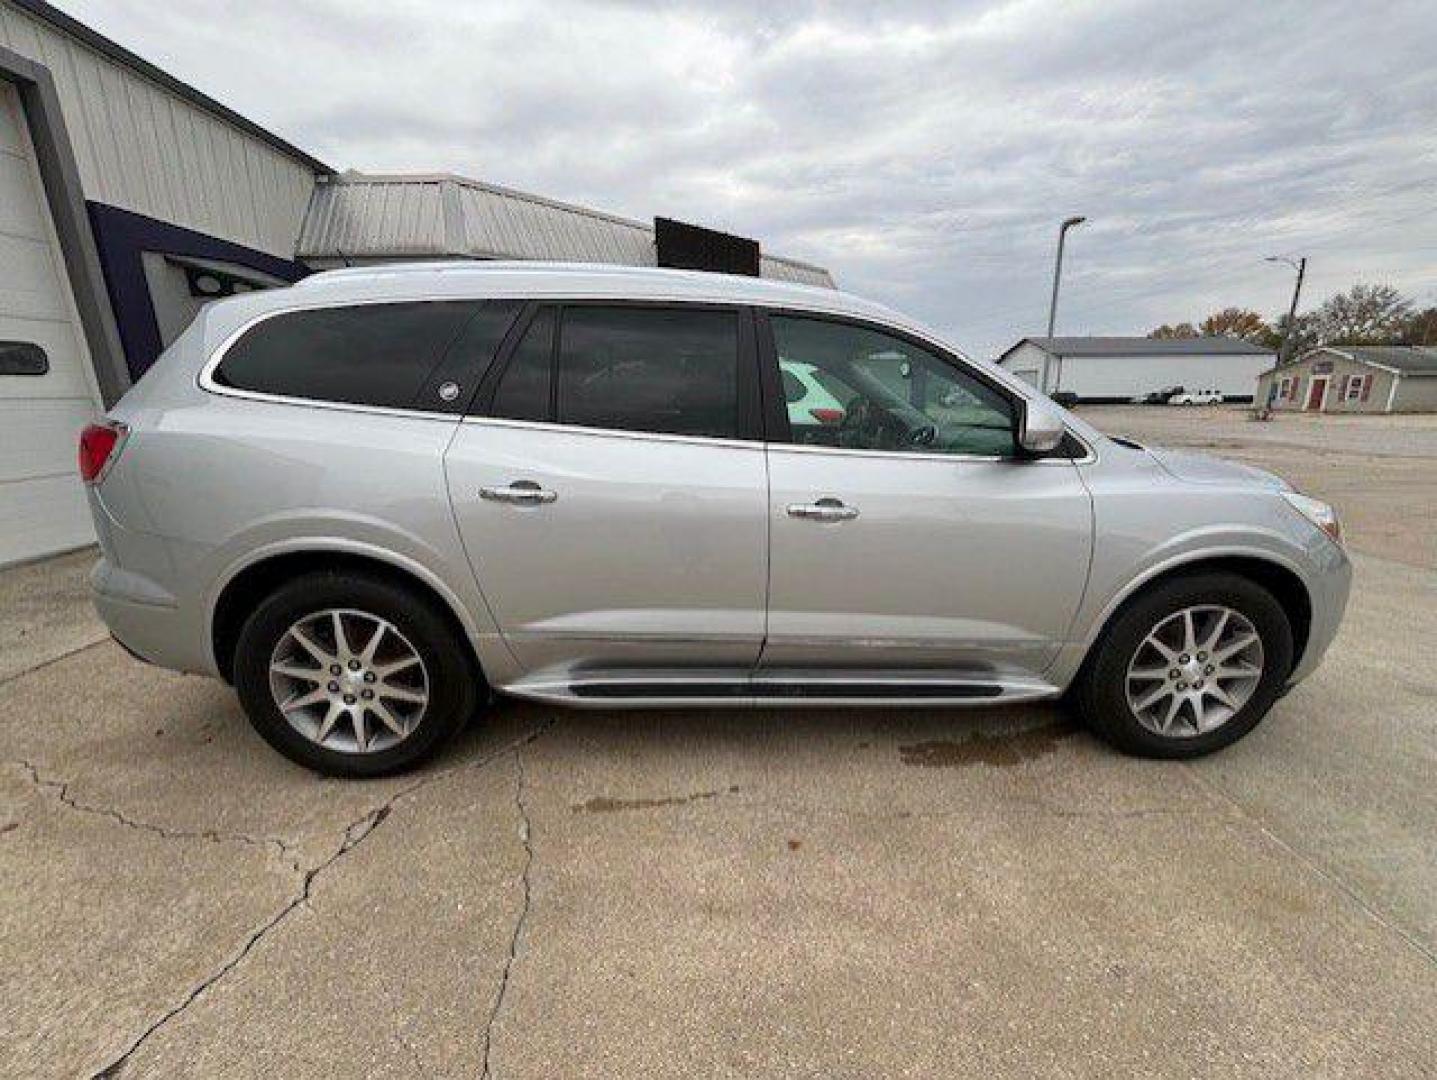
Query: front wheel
x,y
1188,667
353,675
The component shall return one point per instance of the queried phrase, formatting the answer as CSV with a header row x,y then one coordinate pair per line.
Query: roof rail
x,y
481,266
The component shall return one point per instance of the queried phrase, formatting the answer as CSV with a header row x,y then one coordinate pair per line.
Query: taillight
x,y
99,446
827,416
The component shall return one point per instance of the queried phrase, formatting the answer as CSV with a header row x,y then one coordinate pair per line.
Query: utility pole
x,y
1057,277
1301,267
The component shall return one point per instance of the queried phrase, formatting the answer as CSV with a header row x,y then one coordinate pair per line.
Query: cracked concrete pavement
x,y
828,893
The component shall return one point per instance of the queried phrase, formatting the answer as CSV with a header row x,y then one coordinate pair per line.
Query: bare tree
x,y
1364,314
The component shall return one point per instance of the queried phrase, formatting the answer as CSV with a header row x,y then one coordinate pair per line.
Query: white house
x,y
1114,369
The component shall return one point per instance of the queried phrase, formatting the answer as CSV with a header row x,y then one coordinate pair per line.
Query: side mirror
x,y
1040,428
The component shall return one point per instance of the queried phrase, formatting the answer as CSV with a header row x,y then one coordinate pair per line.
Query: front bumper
x,y
1328,586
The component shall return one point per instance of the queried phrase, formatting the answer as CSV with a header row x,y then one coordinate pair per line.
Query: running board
x,y
786,690
663,690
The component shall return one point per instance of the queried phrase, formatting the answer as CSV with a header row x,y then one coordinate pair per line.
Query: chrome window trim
x,y
621,433
206,382
905,455
205,379
892,455
752,444
1089,458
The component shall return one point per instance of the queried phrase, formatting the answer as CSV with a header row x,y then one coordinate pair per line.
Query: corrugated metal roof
x,y
1144,346
367,217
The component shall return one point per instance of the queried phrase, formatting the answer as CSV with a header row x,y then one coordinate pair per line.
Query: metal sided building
x,y
128,199
358,218
1116,369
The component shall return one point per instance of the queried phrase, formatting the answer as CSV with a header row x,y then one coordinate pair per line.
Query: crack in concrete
x,y
421,1068
61,790
525,837
1312,865
355,833
43,664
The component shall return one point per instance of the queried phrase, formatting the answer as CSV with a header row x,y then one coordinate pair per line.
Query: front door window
x,y
851,387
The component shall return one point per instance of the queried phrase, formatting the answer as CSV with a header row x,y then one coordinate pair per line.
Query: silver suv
x,y
374,498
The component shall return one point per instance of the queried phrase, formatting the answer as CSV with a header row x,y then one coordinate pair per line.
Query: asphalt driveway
x,y
769,893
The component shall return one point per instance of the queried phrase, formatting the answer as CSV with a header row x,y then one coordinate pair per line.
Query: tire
x,y
444,674
1115,677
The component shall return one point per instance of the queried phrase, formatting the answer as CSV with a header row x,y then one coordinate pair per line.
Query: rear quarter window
x,y
384,355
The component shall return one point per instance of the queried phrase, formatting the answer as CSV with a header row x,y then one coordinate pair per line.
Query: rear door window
x,y
663,370
368,354
523,390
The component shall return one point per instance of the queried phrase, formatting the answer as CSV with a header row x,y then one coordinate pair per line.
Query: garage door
x,y
47,387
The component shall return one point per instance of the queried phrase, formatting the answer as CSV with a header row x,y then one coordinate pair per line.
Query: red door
x,y
1316,393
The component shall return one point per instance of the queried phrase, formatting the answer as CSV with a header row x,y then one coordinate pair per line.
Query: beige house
x,y
1354,379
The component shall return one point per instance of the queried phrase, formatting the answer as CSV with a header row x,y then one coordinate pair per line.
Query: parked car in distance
x,y
374,499
1158,397
1066,398
809,401
1196,397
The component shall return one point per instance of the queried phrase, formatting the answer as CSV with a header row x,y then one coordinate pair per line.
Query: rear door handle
x,y
826,509
520,492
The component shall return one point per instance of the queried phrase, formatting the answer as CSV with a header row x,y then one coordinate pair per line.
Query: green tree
x,y
1181,330
1419,328
1304,334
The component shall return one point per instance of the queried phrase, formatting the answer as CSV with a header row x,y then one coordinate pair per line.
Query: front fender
x,y
1148,525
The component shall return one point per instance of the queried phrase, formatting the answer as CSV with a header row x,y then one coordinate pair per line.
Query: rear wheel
x,y
353,675
1187,668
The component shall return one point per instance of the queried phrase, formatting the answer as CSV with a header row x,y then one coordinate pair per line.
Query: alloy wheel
x,y
1194,671
349,681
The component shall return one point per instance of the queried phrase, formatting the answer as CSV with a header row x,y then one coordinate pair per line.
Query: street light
x,y
1057,276
1300,265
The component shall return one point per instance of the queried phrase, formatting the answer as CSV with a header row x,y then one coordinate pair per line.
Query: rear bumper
x,y
160,632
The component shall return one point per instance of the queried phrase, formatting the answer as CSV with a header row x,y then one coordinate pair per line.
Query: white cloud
x,y
923,151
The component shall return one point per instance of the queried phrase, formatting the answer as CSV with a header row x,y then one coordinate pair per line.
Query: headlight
x,y
1317,512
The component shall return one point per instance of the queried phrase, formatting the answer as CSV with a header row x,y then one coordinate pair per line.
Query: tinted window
x,y
793,389
873,391
523,392
22,358
672,371
367,354
451,385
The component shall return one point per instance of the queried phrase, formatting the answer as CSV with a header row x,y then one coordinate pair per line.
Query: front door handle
x,y
520,492
826,509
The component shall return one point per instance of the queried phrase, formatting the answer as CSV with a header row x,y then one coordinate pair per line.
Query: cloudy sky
x,y
924,152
